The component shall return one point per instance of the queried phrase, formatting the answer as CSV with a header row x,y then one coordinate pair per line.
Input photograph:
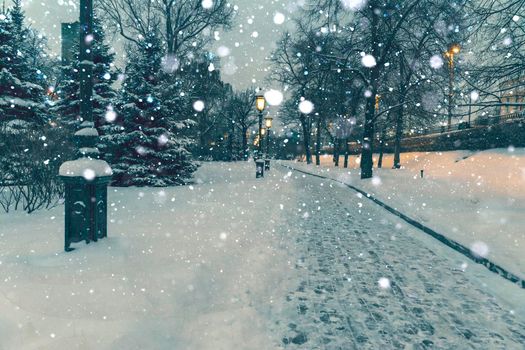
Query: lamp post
x,y
87,177
469,109
260,104
453,50
86,60
268,123
266,133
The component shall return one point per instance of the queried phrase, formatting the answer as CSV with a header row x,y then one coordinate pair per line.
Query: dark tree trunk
x,y
399,136
306,138
367,150
336,152
399,119
381,148
244,143
367,161
346,153
318,143
202,144
169,29
230,142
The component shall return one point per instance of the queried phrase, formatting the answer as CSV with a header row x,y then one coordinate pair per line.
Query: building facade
x,y
512,92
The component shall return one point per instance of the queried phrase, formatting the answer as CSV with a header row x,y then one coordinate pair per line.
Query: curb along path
x,y
492,266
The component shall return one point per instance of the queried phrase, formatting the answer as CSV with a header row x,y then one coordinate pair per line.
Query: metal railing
x,y
478,122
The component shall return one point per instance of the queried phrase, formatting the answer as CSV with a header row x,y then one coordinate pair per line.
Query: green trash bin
x,y
259,168
85,209
266,164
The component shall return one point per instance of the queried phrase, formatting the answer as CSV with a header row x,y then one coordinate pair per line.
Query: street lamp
x,y
260,104
86,178
378,100
453,50
268,123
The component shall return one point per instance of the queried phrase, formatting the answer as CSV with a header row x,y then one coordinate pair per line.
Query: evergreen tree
x,y
28,153
67,108
21,95
204,81
148,145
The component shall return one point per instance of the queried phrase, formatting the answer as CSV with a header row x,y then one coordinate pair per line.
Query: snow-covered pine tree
x,y
28,159
148,144
67,108
21,95
204,81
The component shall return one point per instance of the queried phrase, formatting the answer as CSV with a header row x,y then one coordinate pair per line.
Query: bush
x,y
29,163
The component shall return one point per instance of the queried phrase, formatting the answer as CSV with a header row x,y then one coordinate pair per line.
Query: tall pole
x,y
86,60
450,89
230,139
268,143
87,177
469,108
260,134
381,134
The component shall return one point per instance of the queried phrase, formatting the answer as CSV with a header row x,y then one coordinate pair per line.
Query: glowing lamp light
x,y
453,49
260,102
263,131
268,122
378,100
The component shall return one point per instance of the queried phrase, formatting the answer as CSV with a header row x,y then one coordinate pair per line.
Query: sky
x,y
250,40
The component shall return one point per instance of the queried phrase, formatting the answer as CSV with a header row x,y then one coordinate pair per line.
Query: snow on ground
x,y
367,280
475,198
233,262
194,267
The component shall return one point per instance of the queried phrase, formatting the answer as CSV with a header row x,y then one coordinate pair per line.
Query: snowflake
x,y
368,61
480,249
306,107
89,174
207,4
354,5
198,106
436,62
384,283
223,51
279,18
274,97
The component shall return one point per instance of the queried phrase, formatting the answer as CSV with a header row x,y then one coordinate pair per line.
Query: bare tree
x,y
299,67
497,44
186,26
242,116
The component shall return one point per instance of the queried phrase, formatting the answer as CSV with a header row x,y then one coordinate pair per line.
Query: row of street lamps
x,y
260,104
262,161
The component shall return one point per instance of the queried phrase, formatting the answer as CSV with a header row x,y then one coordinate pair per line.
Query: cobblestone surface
x,y
346,246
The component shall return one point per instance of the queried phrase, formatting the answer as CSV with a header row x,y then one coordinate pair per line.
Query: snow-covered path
x,y
371,282
285,262
474,198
